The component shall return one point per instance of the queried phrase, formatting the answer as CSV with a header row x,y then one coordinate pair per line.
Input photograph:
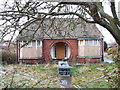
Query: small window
x,y
95,42
29,44
38,43
33,43
20,43
91,42
25,43
81,42
88,42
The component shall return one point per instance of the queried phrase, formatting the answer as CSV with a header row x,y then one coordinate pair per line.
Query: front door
x,y
60,51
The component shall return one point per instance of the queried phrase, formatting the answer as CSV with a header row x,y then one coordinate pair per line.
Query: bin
x,y
63,69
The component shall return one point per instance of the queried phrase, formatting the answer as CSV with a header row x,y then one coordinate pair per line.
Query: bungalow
x,y
60,38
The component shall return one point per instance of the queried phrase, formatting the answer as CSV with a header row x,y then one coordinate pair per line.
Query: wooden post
x,y
102,50
17,51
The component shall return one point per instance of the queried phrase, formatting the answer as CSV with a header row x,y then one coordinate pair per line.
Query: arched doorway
x,y
60,51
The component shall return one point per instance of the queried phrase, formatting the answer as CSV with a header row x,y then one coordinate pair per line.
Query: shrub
x,y
112,51
115,53
8,57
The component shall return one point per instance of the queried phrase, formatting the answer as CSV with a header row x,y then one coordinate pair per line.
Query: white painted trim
x,y
41,43
22,42
78,42
36,44
52,52
21,50
68,51
41,48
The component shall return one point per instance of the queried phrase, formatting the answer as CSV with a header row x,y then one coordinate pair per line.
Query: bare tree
x,y
20,14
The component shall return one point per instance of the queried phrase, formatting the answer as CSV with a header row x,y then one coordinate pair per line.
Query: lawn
x,y
48,72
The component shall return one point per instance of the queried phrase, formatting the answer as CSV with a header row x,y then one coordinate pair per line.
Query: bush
x,y
8,57
115,53
112,51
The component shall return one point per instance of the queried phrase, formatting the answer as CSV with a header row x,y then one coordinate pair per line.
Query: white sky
x,y
107,36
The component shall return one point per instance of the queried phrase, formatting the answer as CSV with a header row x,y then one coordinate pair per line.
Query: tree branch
x,y
75,3
114,13
69,13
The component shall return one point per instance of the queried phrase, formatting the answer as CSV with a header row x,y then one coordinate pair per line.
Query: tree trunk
x,y
112,29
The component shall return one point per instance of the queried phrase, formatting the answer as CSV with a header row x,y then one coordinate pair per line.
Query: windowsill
x,y
89,56
31,57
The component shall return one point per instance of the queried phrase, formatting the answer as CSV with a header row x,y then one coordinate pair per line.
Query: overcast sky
x,y
107,36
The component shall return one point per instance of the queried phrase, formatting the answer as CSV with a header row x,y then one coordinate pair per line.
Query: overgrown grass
x,y
98,84
86,73
80,74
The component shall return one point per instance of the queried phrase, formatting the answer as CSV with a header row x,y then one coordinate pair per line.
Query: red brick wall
x,y
89,60
72,43
31,60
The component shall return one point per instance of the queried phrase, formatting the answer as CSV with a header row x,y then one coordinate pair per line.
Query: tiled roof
x,y
61,27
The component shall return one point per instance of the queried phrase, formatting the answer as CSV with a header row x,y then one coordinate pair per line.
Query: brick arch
x,y
72,44
66,42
